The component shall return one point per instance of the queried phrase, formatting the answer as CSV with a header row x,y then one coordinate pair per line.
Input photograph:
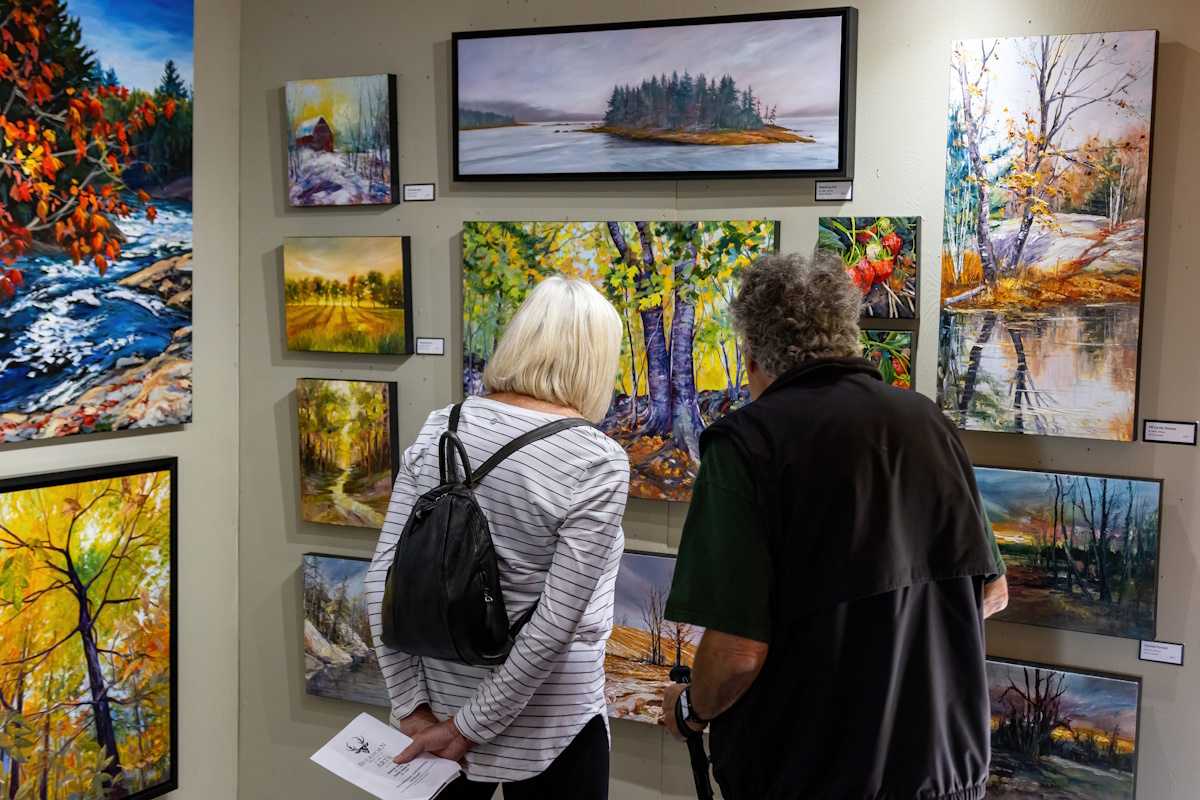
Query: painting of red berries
x,y
891,352
1044,235
880,254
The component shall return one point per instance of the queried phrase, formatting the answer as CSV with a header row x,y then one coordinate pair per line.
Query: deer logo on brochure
x,y
358,745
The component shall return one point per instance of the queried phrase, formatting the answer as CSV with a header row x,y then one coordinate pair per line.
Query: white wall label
x,y
1159,430
834,190
1163,652
417,191
431,347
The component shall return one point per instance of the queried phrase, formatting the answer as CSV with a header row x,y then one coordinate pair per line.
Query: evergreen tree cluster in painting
x,y
683,102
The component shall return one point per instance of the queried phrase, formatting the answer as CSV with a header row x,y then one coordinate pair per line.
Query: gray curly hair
x,y
791,309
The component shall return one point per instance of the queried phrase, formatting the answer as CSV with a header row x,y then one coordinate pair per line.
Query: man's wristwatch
x,y
687,712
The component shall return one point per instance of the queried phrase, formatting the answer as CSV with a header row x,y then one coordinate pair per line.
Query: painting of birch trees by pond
x,y
1062,734
1043,247
644,644
339,655
87,679
348,458
95,216
1081,551
341,141
707,96
681,364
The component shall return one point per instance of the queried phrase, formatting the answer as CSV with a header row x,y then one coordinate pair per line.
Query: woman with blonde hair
x,y
537,722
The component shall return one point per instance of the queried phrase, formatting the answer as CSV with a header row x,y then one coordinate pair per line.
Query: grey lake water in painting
x,y
568,147
1075,374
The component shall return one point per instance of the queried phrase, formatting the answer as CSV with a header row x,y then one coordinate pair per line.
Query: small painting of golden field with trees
x,y
644,645
1043,248
348,458
682,367
348,294
1062,734
86,639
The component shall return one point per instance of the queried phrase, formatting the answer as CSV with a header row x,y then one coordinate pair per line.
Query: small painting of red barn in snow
x,y
341,141
315,134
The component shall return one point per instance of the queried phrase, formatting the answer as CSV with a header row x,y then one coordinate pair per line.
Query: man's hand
x,y
442,739
420,719
670,699
995,596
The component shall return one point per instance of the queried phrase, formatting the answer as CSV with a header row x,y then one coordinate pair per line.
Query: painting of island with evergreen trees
x,y
705,97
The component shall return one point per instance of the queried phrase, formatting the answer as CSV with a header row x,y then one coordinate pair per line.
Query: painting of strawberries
x,y
880,254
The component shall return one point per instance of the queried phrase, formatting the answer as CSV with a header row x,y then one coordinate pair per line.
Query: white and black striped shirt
x,y
555,509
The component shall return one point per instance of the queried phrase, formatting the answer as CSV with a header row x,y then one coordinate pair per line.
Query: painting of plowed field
x,y
348,295
644,645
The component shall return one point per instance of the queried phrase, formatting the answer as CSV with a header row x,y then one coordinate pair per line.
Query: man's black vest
x,y
874,684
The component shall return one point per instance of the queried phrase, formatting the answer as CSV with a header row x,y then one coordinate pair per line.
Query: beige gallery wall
x,y
902,88
206,554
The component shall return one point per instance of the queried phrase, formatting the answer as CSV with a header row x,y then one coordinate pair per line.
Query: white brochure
x,y
362,754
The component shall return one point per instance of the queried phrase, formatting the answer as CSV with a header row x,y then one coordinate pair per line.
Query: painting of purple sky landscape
x,y
672,97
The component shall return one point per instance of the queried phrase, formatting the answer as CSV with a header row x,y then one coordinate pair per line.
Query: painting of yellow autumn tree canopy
x,y
1044,243
671,282
86,633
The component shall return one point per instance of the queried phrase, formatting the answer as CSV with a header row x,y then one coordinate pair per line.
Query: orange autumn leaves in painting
x,y
64,148
85,637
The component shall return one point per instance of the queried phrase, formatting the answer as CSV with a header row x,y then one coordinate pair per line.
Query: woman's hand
x,y
420,719
442,740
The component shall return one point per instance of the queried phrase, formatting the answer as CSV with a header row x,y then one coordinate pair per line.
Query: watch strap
x,y
681,720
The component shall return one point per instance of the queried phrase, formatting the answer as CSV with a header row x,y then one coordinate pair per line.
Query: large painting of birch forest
x,y
671,282
1081,551
86,640
1043,249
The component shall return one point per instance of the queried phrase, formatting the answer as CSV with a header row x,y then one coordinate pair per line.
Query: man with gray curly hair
x,y
836,552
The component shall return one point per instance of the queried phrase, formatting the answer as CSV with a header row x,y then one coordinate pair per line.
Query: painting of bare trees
x,y
644,645
1081,551
1043,247
1061,734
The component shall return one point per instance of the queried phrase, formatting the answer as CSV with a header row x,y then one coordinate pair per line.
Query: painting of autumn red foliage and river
x,y
1081,551
1062,734
671,282
95,216
87,681
348,457
1043,248
644,645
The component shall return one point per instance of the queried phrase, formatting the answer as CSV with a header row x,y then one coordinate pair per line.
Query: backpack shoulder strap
x,y
454,415
528,438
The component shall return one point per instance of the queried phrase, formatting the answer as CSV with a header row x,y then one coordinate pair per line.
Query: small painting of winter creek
x,y
1047,163
339,659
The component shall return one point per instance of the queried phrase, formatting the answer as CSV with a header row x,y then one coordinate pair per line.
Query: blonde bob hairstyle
x,y
563,346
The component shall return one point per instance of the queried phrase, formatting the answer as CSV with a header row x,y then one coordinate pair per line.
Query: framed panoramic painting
x,y
713,97
348,455
96,230
880,254
892,352
87,632
342,141
1044,239
348,294
1081,550
339,656
681,364
1062,733
644,645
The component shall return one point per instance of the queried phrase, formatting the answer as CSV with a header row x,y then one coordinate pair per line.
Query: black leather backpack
x,y
442,596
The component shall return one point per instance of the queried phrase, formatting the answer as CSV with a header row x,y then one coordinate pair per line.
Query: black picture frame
x,y
846,103
393,394
1157,572
406,276
1091,673
393,145
128,469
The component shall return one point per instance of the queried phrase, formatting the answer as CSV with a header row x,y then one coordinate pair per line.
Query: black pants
x,y
580,772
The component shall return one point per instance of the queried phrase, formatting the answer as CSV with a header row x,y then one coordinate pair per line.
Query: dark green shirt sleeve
x,y
1000,568
723,575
